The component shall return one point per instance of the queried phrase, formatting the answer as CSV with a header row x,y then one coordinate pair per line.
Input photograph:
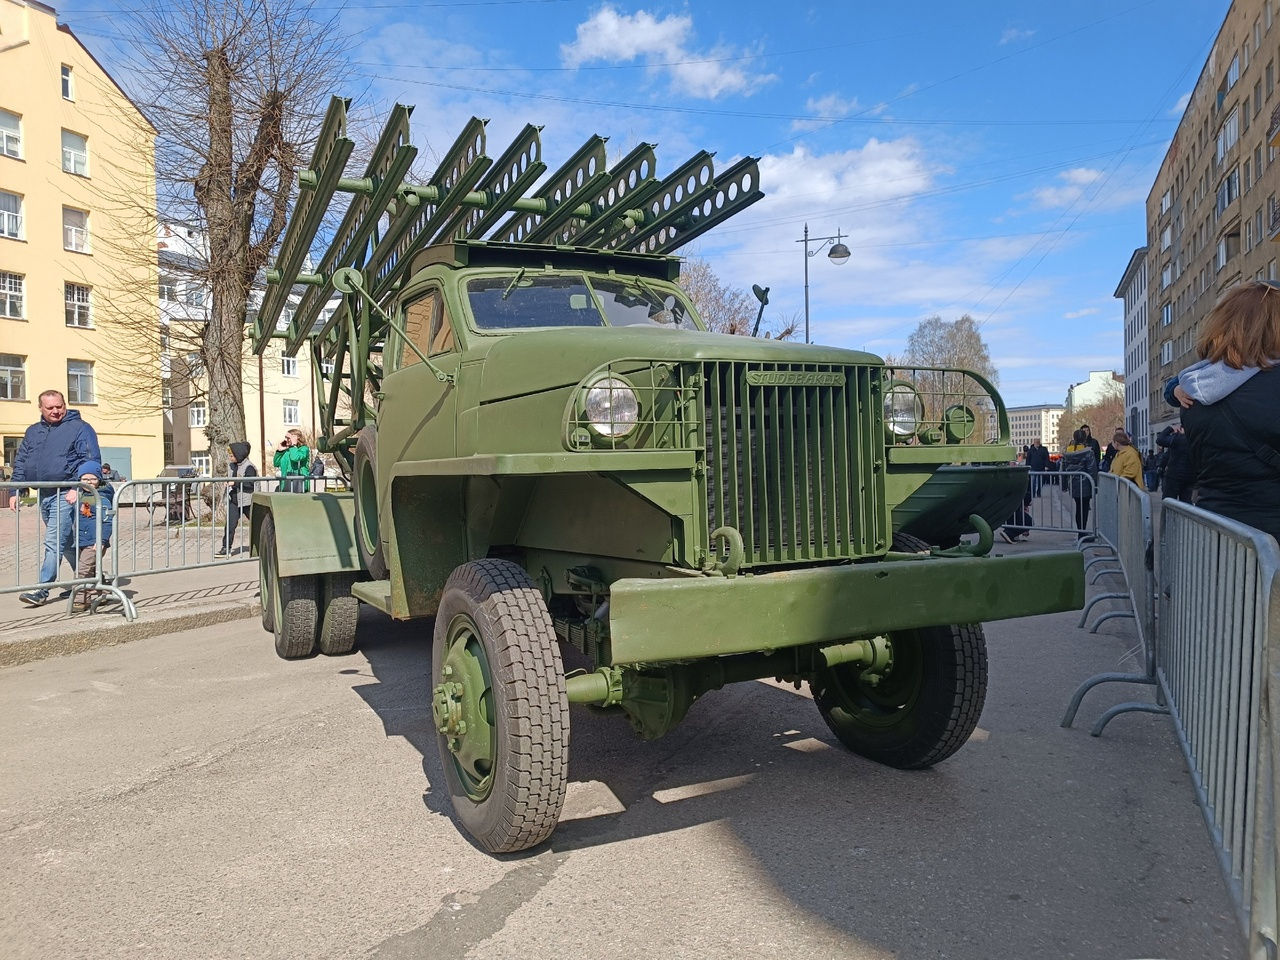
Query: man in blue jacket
x,y
55,449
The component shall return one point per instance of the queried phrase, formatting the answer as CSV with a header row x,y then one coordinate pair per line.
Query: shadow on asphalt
x,y
1032,838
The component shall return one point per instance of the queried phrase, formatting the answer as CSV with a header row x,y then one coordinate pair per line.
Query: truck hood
x,y
543,360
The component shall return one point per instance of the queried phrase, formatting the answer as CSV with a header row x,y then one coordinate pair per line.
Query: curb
x,y
60,640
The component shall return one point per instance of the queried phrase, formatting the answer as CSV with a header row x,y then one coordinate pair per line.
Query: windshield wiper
x,y
675,316
511,286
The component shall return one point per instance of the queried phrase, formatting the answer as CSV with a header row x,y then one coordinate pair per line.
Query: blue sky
x,y
991,158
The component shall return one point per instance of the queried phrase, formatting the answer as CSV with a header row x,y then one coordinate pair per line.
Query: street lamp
x,y
838,255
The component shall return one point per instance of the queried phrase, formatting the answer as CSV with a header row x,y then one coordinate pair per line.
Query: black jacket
x,y
1179,464
1233,480
1038,458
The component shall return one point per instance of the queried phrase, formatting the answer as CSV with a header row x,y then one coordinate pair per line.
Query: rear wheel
x,y
918,712
294,600
365,488
266,564
499,706
339,612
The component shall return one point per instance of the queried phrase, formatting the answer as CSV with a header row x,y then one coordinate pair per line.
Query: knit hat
x,y
90,466
240,450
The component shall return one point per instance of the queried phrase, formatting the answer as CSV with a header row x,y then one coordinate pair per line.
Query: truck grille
x,y
792,454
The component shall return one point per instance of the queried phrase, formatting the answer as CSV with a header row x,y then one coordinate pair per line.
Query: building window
x,y
1166,352
1228,191
327,368
10,215
166,397
195,368
1271,270
1233,72
168,289
79,381
195,295
13,377
75,230
1228,134
203,463
78,305
1166,276
68,84
289,366
1248,235
1166,238
198,414
75,154
10,134
291,417
1166,314
1166,201
11,295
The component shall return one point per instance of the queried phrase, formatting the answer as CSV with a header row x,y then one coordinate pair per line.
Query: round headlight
x,y
612,409
903,410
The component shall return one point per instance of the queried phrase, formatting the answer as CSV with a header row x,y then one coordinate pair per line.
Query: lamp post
x,y
838,255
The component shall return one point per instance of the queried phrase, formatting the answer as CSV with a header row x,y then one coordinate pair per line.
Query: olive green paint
x,y
655,621
315,532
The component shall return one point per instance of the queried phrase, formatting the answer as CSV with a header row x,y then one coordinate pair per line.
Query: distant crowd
x,y
1224,452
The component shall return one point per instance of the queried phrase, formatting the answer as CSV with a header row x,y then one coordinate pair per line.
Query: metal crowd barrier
x,y
1125,529
180,523
1219,670
159,525
24,552
1052,506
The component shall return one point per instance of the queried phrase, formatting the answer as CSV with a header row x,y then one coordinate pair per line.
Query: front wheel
x,y
918,712
499,705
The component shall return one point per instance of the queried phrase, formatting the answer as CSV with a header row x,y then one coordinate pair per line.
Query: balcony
x,y
1273,129
1273,218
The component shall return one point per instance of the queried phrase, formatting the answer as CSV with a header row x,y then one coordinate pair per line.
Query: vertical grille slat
x,y
790,451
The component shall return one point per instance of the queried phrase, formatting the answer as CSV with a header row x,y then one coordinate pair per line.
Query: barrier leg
x,y
1074,706
1120,708
1112,615
1084,616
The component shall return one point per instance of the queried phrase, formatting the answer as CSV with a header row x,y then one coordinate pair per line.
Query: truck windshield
x,y
631,302
523,301
519,301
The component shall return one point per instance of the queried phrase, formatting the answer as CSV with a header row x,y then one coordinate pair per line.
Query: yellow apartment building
x,y
77,263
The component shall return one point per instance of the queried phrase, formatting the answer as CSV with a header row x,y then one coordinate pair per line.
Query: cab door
x,y
418,417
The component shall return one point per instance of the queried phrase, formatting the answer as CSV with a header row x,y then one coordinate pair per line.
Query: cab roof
x,y
494,253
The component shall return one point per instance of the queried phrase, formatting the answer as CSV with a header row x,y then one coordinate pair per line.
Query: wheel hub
x,y
463,709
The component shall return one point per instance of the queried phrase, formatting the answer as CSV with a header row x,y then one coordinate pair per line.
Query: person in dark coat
x,y
1037,461
1091,443
55,449
1235,442
1081,463
1179,470
239,495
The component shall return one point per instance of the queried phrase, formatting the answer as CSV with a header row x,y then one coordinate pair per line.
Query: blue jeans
x,y
59,535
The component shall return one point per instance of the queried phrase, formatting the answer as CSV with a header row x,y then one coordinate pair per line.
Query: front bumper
x,y
652,621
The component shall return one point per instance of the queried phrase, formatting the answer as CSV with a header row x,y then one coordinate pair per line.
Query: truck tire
x,y
339,613
499,706
905,543
294,600
922,710
267,563
365,486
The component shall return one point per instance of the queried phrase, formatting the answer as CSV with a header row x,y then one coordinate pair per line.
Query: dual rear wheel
x,y
308,612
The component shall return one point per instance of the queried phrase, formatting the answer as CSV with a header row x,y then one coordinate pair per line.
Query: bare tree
x,y
1103,417
235,90
727,309
958,343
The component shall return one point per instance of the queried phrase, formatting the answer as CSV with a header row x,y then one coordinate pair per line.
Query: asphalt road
x,y
192,796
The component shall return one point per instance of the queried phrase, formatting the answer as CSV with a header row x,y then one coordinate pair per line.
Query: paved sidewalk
x,y
166,602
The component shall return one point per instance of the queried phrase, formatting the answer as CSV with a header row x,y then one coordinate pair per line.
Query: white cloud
x,y
824,110
610,36
1073,184
1180,107
1077,314
1012,35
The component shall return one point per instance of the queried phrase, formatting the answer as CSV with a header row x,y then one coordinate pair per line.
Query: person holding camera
x,y
292,461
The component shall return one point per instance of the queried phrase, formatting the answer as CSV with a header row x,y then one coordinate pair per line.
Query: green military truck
x,y
548,448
